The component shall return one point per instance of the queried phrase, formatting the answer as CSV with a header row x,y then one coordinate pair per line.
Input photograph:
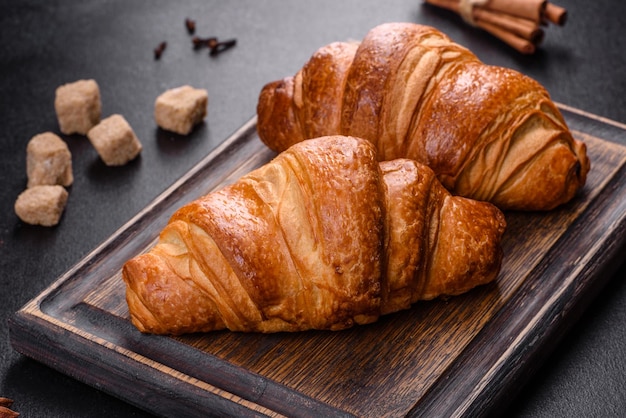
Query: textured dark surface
x,y
45,44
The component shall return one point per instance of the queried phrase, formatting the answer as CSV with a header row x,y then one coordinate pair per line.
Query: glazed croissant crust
x,y
322,237
489,133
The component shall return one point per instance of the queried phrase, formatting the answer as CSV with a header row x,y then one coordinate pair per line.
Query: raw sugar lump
x,y
41,205
114,140
78,106
180,109
48,161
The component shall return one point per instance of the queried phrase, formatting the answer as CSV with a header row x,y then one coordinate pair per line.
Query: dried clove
x,y
222,46
158,51
190,25
204,42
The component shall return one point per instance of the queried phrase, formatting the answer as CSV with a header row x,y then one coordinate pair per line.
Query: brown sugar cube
x,y
48,161
114,140
78,106
180,109
41,205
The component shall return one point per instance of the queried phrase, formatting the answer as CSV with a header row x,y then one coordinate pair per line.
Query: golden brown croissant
x,y
488,132
322,237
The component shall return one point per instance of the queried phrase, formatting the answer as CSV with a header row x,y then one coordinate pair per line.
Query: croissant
x,y
489,133
322,237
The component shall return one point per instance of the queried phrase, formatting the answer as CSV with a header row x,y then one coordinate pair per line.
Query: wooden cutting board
x,y
464,356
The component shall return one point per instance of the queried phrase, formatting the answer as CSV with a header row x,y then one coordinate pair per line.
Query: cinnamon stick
x,y
516,22
529,9
523,27
8,413
555,14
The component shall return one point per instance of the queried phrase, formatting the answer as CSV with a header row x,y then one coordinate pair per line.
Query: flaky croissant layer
x,y
489,133
322,237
